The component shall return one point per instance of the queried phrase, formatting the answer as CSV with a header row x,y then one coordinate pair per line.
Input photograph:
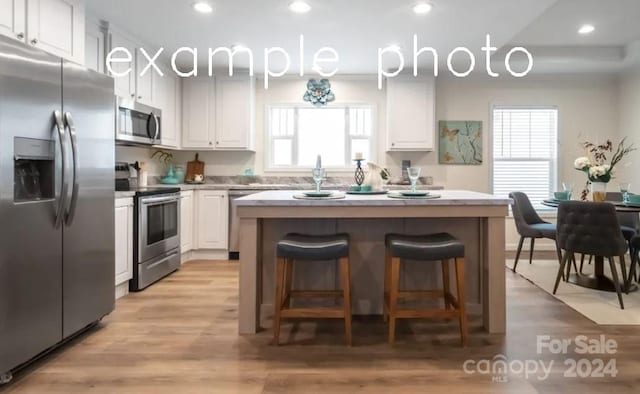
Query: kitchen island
x,y
475,218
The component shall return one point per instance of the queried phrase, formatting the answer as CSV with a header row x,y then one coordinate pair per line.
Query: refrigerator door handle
x,y
74,150
57,116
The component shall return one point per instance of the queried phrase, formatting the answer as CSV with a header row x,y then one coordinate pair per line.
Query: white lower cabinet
x,y
186,221
212,219
124,240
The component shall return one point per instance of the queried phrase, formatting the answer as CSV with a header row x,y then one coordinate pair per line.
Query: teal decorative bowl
x,y
634,198
561,196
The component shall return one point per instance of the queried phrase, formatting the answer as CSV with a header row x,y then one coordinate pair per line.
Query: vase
x,y
598,191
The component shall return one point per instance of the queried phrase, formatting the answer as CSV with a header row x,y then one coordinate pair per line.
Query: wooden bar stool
x,y
441,247
306,248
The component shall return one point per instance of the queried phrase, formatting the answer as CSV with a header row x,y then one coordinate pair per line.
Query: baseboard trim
x,y
205,254
543,247
122,289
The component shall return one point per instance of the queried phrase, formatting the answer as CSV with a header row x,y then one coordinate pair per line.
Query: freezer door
x,y
89,239
30,245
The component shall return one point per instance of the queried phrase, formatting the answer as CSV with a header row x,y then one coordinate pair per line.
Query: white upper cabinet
x,y
198,112
235,102
410,114
145,88
13,18
124,86
57,26
218,113
94,46
169,100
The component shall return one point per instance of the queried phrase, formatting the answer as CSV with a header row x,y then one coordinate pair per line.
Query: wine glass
x,y
318,176
624,189
567,187
414,174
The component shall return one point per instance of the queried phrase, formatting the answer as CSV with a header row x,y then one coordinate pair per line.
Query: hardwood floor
x,y
180,336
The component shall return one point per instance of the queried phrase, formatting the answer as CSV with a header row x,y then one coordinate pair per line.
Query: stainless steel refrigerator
x,y
57,125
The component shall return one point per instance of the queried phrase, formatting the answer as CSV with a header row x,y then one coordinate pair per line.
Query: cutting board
x,y
193,168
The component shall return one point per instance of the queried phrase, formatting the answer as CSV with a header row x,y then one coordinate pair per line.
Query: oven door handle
x,y
164,259
159,200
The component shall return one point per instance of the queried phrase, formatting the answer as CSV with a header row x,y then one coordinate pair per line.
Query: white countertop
x,y
258,187
447,198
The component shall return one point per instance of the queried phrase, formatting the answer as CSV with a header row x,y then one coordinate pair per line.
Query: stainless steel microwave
x,y
138,123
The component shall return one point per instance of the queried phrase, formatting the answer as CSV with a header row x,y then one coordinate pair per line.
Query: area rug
x,y
599,306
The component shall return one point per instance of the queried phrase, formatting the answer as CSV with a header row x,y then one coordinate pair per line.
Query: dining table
x,y
598,280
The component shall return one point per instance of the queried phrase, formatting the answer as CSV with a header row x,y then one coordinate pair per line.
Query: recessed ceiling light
x,y
203,7
422,8
299,7
586,29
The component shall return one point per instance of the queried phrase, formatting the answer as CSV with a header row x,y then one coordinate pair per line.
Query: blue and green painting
x,y
460,142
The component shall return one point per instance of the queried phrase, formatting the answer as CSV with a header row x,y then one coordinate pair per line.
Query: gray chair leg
x,y
581,262
632,268
625,278
533,240
515,264
616,281
559,253
560,271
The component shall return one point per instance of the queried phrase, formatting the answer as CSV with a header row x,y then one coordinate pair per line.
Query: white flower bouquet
x,y
594,164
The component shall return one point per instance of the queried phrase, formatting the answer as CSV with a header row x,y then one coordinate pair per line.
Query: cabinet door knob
x,y
210,143
217,142
133,95
139,97
393,144
20,35
34,41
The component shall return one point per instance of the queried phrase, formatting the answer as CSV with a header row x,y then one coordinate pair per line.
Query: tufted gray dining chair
x,y
590,228
629,224
530,225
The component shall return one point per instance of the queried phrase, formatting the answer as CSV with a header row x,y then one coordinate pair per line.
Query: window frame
x,y
269,138
555,168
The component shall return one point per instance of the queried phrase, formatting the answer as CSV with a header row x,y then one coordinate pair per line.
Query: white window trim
x,y
543,212
268,142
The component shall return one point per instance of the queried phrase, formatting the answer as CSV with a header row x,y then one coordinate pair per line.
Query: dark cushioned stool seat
x,y
635,242
431,247
313,247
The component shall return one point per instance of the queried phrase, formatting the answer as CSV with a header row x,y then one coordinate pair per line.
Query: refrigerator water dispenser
x,y
34,169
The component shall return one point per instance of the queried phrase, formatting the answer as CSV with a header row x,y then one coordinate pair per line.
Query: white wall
x,y
629,125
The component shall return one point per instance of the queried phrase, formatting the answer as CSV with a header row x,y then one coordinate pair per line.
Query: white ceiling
x,y
357,28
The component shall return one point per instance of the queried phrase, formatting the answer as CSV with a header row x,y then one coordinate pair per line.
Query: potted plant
x,y
166,158
594,164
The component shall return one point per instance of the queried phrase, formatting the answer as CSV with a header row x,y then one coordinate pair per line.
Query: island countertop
x,y
279,198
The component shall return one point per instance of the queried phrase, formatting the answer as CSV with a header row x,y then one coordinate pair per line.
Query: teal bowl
x,y
561,196
634,198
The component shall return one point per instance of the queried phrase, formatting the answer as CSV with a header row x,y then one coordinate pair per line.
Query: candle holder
x,y
359,176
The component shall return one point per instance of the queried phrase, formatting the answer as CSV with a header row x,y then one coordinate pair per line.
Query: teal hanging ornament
x,y
319,92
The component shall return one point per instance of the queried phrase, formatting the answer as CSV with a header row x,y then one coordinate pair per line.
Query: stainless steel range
x,y
156,230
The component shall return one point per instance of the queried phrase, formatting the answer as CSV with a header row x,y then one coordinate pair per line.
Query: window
x,y
525,152
298,134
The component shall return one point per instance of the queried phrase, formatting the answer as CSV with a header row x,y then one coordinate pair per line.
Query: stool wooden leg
x,y
387,279
280,266
345,274
393,297
288,281
461,299
445,283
